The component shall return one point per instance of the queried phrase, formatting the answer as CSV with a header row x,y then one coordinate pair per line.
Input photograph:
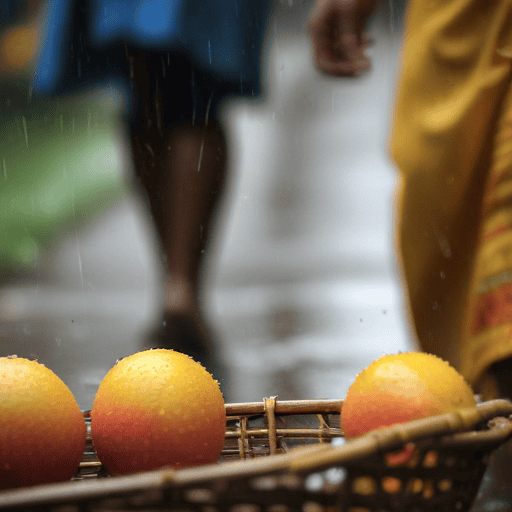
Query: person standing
x,y
176,62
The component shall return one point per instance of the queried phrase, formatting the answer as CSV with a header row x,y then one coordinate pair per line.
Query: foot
x,y
187,333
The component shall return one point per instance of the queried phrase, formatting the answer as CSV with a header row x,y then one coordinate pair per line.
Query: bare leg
x,y
182,171
183,175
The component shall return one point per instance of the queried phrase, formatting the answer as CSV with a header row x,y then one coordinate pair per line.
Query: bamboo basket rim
x,y
454,429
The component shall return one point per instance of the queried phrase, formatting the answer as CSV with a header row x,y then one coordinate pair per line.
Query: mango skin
x,y
398,388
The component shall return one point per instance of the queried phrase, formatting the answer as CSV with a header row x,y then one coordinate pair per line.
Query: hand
x,y
338,36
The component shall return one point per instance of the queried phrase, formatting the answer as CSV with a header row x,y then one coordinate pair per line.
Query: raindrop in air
x,y
24,121
150,149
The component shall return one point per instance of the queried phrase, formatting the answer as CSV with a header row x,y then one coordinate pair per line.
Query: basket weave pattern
x,y
290,456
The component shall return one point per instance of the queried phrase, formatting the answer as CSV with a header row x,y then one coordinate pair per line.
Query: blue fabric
x,y
50,55
143,23
221,37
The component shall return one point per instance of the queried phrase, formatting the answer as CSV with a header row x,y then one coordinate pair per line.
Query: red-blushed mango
x,y
157,408
42,430
400,388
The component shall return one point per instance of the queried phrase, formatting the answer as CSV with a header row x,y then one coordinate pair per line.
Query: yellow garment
x,y
452,142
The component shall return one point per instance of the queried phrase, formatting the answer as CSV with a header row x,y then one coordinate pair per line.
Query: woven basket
x,y
286,456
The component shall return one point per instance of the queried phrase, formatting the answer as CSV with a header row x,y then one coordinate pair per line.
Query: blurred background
x,y
300,282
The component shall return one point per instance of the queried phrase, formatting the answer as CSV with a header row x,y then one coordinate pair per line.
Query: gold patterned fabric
x,y
489,329
451,140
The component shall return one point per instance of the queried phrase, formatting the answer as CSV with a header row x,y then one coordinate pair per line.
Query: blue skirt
x,y
84,42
